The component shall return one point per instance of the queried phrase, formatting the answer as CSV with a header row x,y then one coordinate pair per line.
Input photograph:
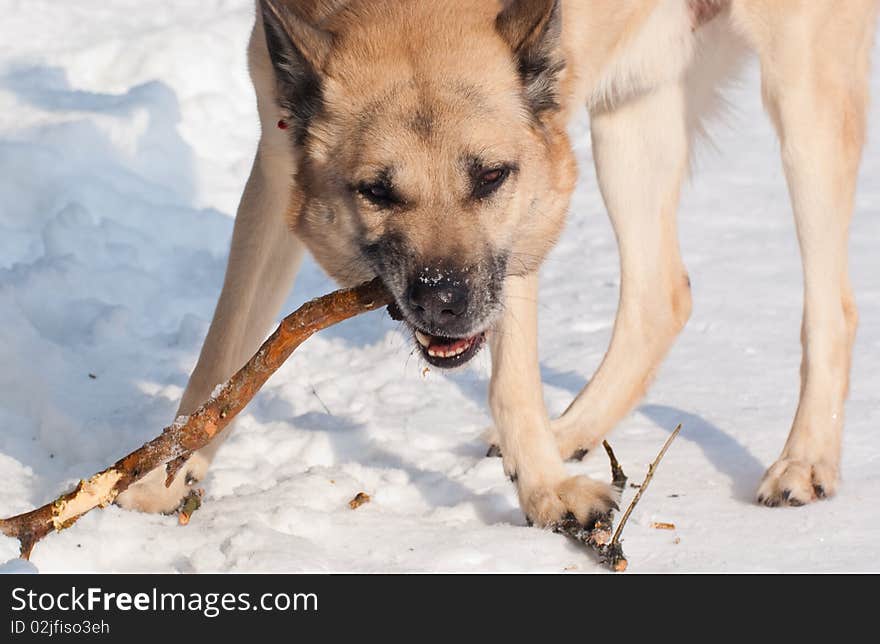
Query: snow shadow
x,y
476,386
107,272
728,455
351,443
135,130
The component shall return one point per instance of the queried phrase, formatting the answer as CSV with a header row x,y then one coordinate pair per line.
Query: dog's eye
x,y
488,181
379,194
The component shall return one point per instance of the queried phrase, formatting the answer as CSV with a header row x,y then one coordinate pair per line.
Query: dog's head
x,y
430,149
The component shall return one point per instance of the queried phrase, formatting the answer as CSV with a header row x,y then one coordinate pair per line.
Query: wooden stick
x,y
618,478
615,540
191,503
612,554
191,433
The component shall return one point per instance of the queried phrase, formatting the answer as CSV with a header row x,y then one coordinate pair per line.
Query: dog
x,y
425,142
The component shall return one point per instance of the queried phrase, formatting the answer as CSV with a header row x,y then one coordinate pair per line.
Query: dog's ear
x,y
533,29
298,49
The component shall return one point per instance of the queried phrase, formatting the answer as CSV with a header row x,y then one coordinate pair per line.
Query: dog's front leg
x,y
531,458
816,91
263,261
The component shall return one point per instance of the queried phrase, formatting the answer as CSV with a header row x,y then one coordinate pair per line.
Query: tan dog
x,y
424,141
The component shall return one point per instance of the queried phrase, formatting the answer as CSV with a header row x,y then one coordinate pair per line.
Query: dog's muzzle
x,y
436,311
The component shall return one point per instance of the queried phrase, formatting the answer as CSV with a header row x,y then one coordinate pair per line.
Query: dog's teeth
x,y
461,347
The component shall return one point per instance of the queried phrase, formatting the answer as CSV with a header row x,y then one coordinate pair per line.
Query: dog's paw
x,y
150,494
795,482
579,497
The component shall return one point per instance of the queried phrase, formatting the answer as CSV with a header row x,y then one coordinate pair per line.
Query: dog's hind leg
x,y
814,80
547,493
641,154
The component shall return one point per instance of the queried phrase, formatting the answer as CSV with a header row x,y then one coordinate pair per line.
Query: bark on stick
x,y
191,433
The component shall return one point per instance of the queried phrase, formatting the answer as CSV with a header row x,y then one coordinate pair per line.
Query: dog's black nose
x,y
438,304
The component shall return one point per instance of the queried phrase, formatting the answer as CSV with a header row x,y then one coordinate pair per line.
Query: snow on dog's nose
x,y
439,303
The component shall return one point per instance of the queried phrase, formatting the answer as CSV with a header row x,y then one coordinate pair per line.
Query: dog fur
x,y
425,141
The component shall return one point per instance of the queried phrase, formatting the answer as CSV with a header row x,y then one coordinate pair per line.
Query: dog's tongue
x,y
447,345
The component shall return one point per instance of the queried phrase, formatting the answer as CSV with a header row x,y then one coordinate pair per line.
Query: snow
x,y
126,133
18,567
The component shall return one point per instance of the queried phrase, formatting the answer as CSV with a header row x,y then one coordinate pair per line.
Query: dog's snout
x,y
438,303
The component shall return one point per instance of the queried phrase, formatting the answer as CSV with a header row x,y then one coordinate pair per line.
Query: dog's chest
x,y
702,11
654,50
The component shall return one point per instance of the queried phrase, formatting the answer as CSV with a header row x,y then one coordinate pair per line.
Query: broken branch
x,y
191,433
191,503
615,540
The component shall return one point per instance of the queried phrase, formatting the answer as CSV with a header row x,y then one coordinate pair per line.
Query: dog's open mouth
x,y
448,353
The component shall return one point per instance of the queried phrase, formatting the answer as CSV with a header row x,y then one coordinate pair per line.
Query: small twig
x,y
618,478
315,394
190,504
615,540
359,500
173,467
663,525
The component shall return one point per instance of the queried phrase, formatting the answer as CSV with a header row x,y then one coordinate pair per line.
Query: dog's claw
x,y
494,452
394,312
